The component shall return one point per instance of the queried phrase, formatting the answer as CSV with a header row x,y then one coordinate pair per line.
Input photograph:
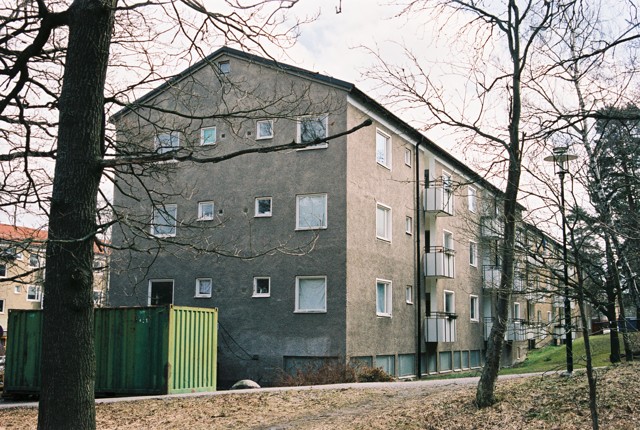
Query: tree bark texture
x,y
68,360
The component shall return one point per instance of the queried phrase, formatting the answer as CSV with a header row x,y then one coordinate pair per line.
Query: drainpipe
x,y
418,273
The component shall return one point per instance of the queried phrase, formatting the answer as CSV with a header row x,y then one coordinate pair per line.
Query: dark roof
x,y
347,86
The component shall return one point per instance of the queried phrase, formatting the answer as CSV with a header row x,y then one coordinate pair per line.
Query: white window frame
x,y
164,208
203,141
383,215
383,158
408,225
473,253
17,289
452,294
549,316
408,294
201,214
408,156
447,234
516,311
474,308
472,198
260,136
201,295
3,273
297,295
323,118
388,298
255,286
37,292
174,140
2,302
173,289
323,222
257,212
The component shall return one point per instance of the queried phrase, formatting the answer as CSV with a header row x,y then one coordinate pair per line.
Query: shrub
x,y
332,372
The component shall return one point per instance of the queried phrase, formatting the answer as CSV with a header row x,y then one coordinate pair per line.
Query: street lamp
x,y
560,159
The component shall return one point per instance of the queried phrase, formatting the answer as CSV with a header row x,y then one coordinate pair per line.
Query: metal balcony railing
x,y
438,200
491,276
440,327
439,262
516,330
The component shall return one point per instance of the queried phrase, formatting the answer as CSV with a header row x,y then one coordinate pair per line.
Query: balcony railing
x,y
491,227
438,200
439,262
440,327
516,330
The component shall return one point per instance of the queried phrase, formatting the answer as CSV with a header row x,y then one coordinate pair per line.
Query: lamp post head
x,y
560,159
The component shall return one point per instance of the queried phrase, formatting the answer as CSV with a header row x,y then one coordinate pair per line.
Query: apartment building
x,y
377,247
22,272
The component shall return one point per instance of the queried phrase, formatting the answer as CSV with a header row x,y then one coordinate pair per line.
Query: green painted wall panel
x,y
139,350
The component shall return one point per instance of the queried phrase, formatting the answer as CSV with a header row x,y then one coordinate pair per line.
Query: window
x,y
549,316
445,361
472,199
263,207
383,149
408,294
264,129
160,292
516,311
447,240
474,308
311,128
34,260
408,225
387,363
166,142
311,294
539,316
203,287
473,254
474,358
449,302
407,156
208,136
383,298
163,223
205,211
383,222
311,211
224,67
34,293
3,270
261,287
17,289
1,306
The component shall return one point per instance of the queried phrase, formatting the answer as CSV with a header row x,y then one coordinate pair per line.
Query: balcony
x,y
516,330
438,201
439,262
440,327
491,227
491,276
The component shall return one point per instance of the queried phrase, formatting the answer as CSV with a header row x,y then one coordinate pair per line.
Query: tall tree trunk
x,y
68,360
614,340
485,392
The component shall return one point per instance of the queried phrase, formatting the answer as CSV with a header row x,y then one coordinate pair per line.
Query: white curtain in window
x,y
312,294
312,211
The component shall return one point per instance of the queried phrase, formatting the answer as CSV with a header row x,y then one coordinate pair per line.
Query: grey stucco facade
x,y
348,283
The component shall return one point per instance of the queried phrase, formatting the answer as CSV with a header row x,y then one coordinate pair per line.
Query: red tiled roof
x,y
12,232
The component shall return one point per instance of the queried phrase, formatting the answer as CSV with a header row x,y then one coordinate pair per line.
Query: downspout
x,y
418,272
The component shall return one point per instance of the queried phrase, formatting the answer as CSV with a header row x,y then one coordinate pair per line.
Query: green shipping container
x,y
139,350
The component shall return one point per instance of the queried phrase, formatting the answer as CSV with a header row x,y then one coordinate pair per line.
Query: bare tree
x,y
499,112
65,66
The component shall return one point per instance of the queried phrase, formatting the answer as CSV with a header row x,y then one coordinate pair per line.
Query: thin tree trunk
x,y
68,361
